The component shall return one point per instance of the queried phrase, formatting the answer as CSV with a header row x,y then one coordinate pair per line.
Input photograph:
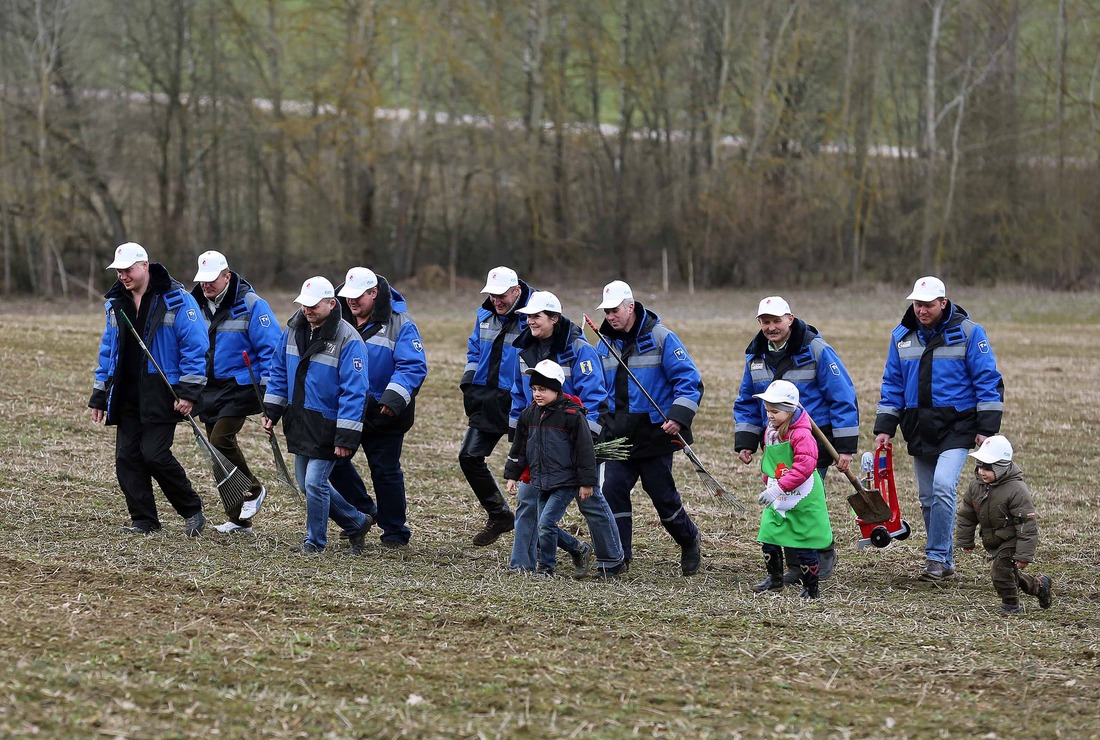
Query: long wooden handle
x,y
836,455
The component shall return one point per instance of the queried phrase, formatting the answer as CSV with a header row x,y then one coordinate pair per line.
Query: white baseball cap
x,y
773,305
211,265
549,370
499,280
127,254
358,281
927,288
780,392
615,293
314,290
994,449
541,300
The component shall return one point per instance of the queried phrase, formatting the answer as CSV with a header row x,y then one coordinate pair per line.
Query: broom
x,y
232,484
709,482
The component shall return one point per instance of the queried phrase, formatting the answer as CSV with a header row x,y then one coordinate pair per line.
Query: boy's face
x,y
543,395
776,416
986,473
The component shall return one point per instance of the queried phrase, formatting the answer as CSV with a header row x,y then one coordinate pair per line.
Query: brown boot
x,y
494,528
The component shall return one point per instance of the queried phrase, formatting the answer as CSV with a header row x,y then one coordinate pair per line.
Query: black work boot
x,y
494,528
809,581
793,574
774,581
690,557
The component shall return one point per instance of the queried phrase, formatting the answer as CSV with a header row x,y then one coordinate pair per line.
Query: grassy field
x,y
108,634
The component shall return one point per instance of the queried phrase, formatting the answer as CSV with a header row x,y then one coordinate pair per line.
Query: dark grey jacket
x,y
556,444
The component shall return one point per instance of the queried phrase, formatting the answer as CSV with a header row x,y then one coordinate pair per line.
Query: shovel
x,y
867,503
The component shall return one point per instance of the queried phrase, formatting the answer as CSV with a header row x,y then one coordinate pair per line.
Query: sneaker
x,y
609,574
359,539
1045,594
395,545
543,572
251,508
933,571
1010,609
140,528
193,525
494,528
826,563
691,558
582,560
233,528
306,549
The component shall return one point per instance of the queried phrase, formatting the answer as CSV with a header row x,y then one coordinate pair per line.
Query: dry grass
x,y
106,634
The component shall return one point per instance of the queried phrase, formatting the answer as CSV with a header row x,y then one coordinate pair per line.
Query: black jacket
x,y
556,444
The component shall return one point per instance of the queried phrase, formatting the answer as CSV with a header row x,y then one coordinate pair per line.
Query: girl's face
x,y
777,416
543,395
986,473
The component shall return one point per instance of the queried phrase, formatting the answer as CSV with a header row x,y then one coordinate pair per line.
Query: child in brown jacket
x,y
999,502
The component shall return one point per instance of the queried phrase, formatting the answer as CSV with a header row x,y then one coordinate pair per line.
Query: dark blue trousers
x,y
656,475
383,453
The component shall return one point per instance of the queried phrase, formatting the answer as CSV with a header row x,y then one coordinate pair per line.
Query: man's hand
x,y
344,452
268,425
386,410
745,456
978,439
184,406
1021,564
844,463
98,415
882,440
584,493
511,486
672,428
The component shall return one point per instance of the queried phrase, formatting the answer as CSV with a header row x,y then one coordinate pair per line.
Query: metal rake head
x,y
231,482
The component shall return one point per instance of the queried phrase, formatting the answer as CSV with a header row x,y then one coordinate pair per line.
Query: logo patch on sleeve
x,y
983,347
681,355
586,367
192,315
417,345
835,370
357,363
265,321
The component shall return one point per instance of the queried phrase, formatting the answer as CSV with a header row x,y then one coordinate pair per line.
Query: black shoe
x,y
1011,609
395,545
610,574
934,571
358,539
494,528
306,549
691,558
626,565
792,576
543,572
1045,592
193,525
582,560
137,528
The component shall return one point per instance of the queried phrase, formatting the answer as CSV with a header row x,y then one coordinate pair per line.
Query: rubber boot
x,y
774,581
809,581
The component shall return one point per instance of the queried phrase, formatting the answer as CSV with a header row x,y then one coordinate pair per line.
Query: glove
x,y
770,494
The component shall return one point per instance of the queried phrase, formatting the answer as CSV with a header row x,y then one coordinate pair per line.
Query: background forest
x,y
702,143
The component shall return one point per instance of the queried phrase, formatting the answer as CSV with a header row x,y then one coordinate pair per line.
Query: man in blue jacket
x,y
397,367
318,387
491,358
130,394
237,321
662,365
788,348
942,385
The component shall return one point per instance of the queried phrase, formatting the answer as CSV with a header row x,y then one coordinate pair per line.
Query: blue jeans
x,y
937,488
601,525
525,539
656,474
322,501
383,453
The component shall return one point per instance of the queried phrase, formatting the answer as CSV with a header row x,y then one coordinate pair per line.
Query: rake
x,y
709,482
285,479
232,484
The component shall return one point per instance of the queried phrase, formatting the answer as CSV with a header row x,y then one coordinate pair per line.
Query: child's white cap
x,y
548,374
995,449
780,393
